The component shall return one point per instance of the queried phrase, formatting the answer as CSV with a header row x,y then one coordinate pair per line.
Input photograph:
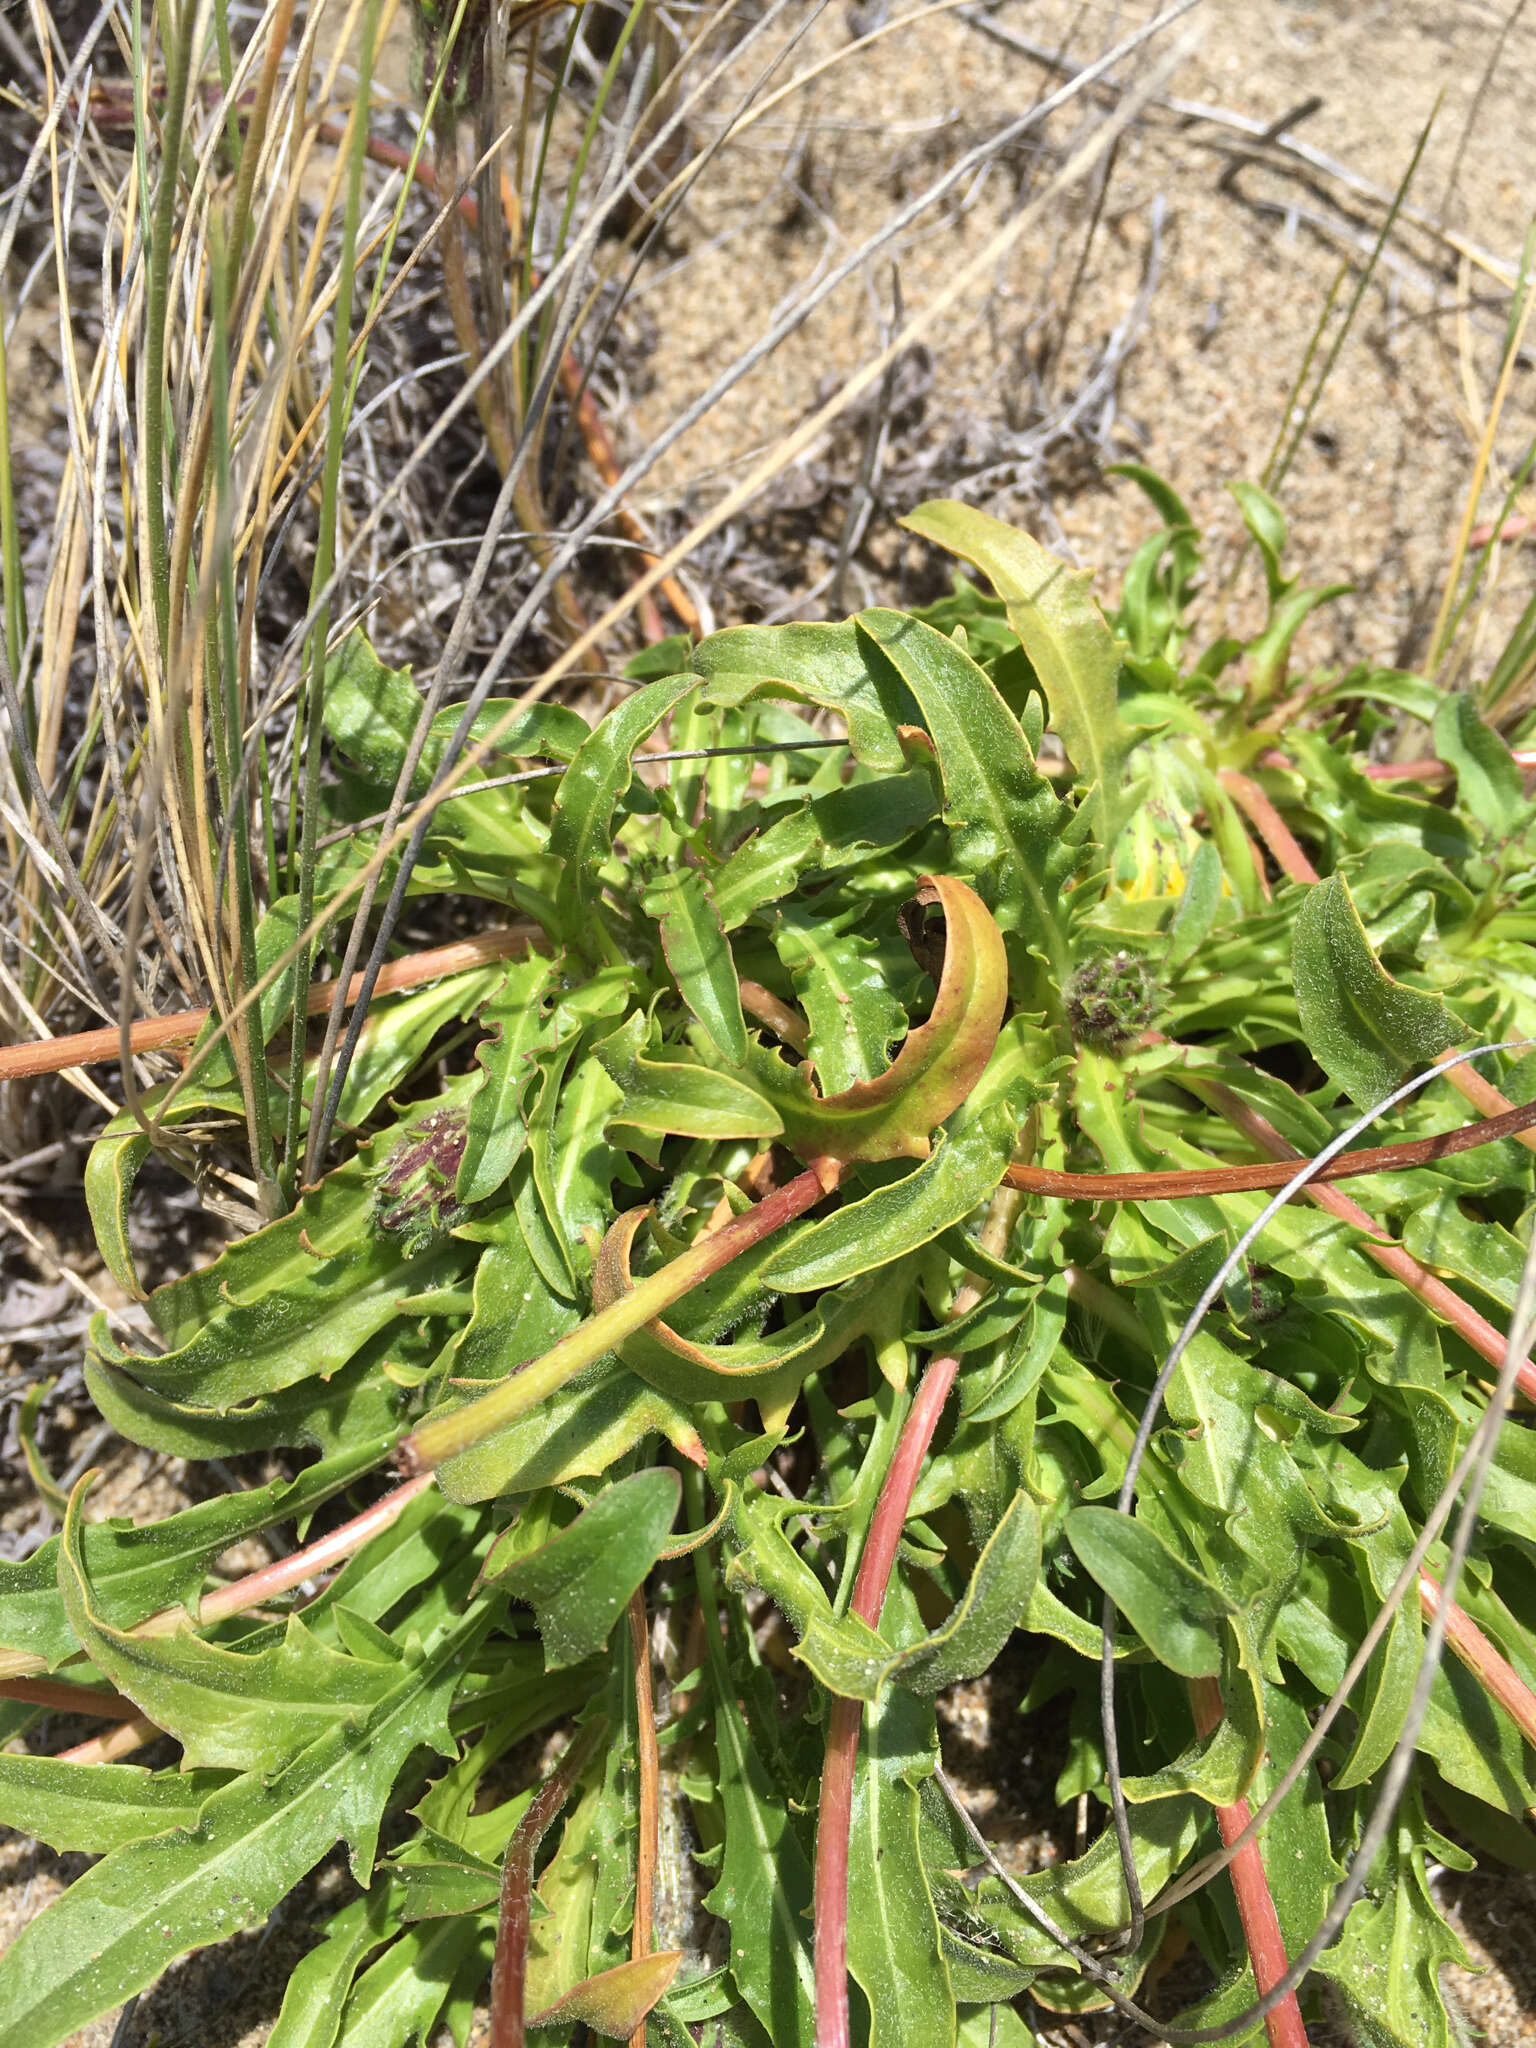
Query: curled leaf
x,y
940,1063
769,1370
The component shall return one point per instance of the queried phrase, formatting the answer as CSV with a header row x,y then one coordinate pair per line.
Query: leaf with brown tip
x,y
893,1116
615,2002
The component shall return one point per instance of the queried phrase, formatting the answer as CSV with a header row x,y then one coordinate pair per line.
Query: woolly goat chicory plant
x,y
758,1322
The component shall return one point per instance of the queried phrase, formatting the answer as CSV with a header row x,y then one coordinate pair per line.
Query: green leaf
x,y
615,2002
826,833
577,1433
1395,1943
1487,780
677,1095
1175,1610
397,1034
764,1890
993,1604
939,1067
496,1130
371,711
115,1161
117,1927
97,1807
1065,635
841,983
581,828
227,1708
439,1890
894,1949
809,665
1020,1372
1004,820
770,1370
138,1571
1364,1029
317,1990
574,1166
294,1301
699,955
1266,522
516,1315
400,1995
579,1580
1085,1897
1162,576
1269,654
1385,1693
357,1403
1197,908
961,1171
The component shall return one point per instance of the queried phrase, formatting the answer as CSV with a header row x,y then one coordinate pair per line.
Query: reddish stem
x,y
1493,1671
287,1572
1255,1902
1163,1185
648,1847
1512,529
765,1006
1477,1089
151,1034
509,1972
835,1817
258,1587
1289,855
62,1698
1391,1257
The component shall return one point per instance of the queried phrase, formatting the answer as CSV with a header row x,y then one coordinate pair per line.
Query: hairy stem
x,y
1255,1901
1493,1671
508,2027
436,1440
648,1848
153,1034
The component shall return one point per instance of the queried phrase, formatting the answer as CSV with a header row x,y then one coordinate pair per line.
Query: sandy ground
x,y
1174,340
1204,278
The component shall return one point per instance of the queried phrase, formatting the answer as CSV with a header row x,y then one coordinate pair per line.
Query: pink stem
x,y
149,1034
1289,855
287,1572
509,1971
1512,529
1494,1672
63,1698
122,1740
835,1817
252,1591
258,1587
1435,1295
1255,1902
